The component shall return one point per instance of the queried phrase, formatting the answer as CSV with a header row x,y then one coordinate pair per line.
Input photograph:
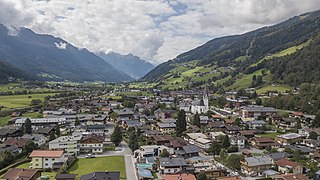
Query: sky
x,y
155,30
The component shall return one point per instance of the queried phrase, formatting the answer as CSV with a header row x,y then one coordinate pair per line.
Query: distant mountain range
x,y
286,54
49,58
132,65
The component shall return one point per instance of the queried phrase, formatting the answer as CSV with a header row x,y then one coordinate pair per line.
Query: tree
x,y
313,135
164,153
58,133
259,101
233,161
316,121
27,126
196,120
181,123
237,121
35,102
133,141
52,136
226,141
29,147
223,154
113,115
129,104
77,121
116,136
298,120
215,148
202,176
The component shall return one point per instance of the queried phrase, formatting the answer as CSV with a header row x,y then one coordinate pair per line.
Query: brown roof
x,y
230,178
178,142
47,153
247,132
163,138
295,177
18,173
93,136
183,177
16,142
286,162
263,139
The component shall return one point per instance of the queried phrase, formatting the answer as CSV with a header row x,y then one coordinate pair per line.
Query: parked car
x,y
90,156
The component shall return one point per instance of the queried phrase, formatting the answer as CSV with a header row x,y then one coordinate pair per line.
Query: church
x,y
200,106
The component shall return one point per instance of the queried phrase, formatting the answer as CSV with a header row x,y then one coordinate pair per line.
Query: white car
x,y
90,156
118,149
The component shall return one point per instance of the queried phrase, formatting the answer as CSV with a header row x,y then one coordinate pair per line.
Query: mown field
x,y
17,101
108,163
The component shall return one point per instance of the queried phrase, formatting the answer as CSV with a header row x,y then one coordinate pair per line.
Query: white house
x,y
38,139
43,159
71,144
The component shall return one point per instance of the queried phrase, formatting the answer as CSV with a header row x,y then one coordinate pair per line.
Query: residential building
x,y
188,151
286,166
172,165
70,144
290,138
238,141
264,142
65,177
179,176
152,150
41,122
254,166
92,143
101,175
43,159
21,174
166,128
38,139
255,124
256,111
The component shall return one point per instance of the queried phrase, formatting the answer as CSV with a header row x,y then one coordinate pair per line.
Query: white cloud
x,y
154,30
61,45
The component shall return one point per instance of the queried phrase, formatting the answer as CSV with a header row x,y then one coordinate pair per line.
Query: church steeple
x,y
205,96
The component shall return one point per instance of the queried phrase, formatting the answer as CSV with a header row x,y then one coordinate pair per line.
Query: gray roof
x,y
260,109
278,155
101,175
258,161
167,125
172,162
191,149
257,122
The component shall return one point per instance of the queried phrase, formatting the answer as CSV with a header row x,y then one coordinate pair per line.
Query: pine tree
x,y
196,120
133,141
77,121
181,124
27,126
58,133
226,141
52,136
116,136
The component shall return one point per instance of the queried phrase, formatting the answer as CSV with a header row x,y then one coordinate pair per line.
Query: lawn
x,y
16,101
245,81
24,165
108,163
4,120
270,135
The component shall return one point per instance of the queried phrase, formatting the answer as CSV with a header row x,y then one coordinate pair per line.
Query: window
x,y
46,159
46,164
37,159
37,164
53,159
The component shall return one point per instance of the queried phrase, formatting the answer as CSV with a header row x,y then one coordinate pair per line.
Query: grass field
x,y
16,101
274,88
270,135
4,120
24,165
245,80
108,163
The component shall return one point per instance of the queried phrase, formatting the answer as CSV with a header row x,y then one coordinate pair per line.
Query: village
x,y
133,133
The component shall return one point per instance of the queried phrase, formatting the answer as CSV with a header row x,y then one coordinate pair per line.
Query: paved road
x,y
126,152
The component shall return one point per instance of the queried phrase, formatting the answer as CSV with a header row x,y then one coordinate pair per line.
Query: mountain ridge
x,y
52,58
132,65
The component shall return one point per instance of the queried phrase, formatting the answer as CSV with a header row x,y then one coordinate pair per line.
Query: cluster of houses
x,y
259,134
